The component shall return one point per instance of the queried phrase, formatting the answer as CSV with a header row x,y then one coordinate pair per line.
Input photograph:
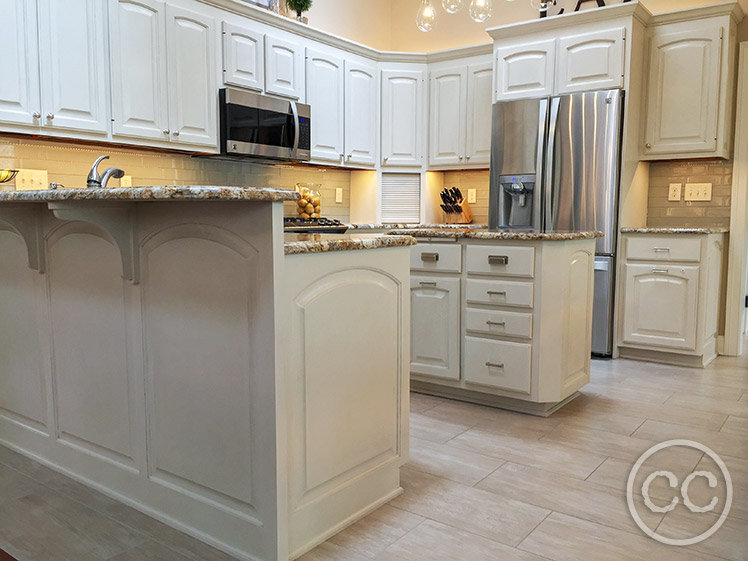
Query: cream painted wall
x,y
390,24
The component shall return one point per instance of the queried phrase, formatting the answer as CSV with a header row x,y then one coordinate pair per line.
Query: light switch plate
x,y
338,194
698,191
126,181
31,180
472,196
673,193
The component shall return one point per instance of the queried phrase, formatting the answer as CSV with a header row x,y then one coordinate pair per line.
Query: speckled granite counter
x,y
494,235
320,243
159,193
660,231
414,226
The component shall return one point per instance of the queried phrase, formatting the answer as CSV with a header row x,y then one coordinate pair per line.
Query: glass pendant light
x,y
426,16
452,6
480,10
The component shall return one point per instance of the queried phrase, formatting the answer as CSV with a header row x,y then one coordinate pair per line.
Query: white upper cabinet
x,y
243,57
193,88
688,90
73,65
448,88
361,113
479,114
590,61
19,58
140,106
284,67
325,85
402,117
525,70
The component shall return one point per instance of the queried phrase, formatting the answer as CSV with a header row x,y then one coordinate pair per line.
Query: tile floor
x,y
482,484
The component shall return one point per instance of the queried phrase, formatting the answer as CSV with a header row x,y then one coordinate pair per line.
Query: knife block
x,y
465,217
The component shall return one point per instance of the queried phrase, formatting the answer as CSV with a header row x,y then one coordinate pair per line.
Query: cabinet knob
x,y
385,159
467,157
349,156
50,116
460,157
648,145
36,115
175,133
166,131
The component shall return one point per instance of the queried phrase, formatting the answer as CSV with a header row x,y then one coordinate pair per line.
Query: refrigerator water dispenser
x,y
517,201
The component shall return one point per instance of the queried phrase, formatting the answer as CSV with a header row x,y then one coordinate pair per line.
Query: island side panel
x,y
347,375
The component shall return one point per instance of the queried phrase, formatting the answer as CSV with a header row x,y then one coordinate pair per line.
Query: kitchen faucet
x,y
96,181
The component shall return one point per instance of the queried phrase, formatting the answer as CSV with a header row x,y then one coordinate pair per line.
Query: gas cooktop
x,y
292,225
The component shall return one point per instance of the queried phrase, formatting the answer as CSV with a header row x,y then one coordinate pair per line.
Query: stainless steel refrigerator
x,y
555,167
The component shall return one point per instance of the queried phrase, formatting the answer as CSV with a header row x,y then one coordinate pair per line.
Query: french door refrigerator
x,y
568,180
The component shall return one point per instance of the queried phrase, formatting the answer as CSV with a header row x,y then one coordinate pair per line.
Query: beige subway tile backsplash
x,y
478,180
665,213
68,163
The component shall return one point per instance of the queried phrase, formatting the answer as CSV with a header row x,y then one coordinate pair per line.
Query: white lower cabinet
x,y
435,327
522,341
671,297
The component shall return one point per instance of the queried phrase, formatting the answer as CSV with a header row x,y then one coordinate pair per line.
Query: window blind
x,y
401,198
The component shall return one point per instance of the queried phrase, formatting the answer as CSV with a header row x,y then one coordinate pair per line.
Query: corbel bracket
x,y
26,220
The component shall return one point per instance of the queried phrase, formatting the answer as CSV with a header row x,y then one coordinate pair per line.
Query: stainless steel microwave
x,y
256,125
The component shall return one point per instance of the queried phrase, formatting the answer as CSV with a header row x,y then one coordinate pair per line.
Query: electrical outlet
x,y
698,191
472,196
674,192
126,181
32,180
338,194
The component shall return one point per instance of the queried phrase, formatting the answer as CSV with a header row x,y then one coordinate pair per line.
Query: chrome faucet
x,y
96,181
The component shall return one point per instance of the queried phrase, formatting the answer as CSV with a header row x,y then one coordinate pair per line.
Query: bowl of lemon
x,y
7,175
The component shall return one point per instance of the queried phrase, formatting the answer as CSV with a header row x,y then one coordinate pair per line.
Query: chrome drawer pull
x,y
495,365
661,250
501,323
496,293
433,257
498,260
660,271
428,284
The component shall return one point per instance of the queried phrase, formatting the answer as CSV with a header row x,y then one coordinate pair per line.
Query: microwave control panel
x,y
305,133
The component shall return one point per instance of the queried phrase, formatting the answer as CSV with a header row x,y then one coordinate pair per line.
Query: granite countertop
x,y
160,193
296,244
497,235
412,226
716,230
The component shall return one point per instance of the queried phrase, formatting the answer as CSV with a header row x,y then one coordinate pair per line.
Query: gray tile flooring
x,y
482,484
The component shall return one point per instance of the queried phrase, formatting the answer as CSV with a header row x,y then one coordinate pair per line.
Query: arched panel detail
x,y
25,220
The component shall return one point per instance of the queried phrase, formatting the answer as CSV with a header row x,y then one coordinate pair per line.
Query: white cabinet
x,y
670,301
403,105
284,67
361,113
688,97
435,327
525,70
243,57
164,84
54,78
325,85
590,61
479,114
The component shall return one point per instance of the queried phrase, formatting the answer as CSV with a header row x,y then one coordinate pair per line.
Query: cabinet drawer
x,y
436,257
501,260
499,323
499,293
498,364
663,248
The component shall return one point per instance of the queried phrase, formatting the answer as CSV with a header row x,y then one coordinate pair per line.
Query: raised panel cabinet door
x,y
590,61
448,100
73,65
324,88
661,304
193,91
140,104
478,131
524,71
684,88
361,113
19,61
435,327
243,57
402,118
284,68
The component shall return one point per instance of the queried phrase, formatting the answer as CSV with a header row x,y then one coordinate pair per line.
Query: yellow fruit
x,y
304,215
5,174
310,208
315,215
303,203
316,208
315,200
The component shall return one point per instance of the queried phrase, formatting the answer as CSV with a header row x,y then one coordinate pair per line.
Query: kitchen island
x,y
168,347
502,318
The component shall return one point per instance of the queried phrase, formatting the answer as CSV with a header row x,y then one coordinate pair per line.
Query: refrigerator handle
x,y
550,165
538,218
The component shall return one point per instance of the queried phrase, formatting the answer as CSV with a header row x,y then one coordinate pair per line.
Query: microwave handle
x,y
295,111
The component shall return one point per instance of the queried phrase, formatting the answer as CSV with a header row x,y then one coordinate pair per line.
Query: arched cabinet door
x,y
524,71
